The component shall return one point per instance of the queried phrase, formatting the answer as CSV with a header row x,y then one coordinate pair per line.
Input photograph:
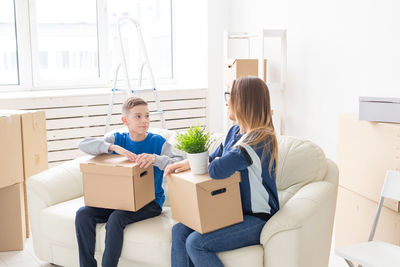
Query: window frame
x,y
28,53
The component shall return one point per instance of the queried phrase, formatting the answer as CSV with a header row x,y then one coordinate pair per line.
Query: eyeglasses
x,y
227,96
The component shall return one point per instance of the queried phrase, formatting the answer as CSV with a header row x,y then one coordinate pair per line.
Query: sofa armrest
x,y
301,231
57,184
295,213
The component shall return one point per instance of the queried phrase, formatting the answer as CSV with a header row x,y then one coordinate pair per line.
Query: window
x,y
65,33
155,23
73,43
8,44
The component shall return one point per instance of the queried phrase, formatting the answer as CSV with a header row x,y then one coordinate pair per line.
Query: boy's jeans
x,y
189,248
85,226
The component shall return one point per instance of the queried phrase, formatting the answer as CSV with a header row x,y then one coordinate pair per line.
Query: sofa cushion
x,y
144,239
300,162
57,223
67,186
248,256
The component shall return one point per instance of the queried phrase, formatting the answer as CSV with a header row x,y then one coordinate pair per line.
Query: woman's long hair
x,y
250,104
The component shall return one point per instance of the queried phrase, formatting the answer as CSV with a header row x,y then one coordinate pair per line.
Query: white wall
x,y
190,43
337,51
219,15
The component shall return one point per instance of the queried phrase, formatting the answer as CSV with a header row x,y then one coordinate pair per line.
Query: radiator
x,y
70,118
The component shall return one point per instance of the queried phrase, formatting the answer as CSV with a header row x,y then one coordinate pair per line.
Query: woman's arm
x,y
233,161
179,166
216,153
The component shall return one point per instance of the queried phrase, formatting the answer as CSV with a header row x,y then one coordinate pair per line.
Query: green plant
x,y
195,140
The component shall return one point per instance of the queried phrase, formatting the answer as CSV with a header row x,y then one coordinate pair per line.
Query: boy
x,y
139,146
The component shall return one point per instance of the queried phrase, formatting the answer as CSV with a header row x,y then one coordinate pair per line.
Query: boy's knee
x,y
82,215
116,219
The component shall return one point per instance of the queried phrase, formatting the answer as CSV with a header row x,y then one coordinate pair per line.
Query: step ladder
x,y
129,88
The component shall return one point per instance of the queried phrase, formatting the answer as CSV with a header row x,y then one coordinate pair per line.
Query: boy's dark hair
x,y
132,102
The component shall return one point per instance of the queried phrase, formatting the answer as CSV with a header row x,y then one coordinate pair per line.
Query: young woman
x,y
251,148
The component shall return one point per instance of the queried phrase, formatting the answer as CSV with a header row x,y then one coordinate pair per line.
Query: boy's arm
x,y
169,155
96,146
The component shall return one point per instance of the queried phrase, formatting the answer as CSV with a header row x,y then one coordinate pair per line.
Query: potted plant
x,y
195,142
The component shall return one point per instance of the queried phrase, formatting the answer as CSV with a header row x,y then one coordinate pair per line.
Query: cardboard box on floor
x,y
365,151
354,218
11,159
205,204
236,68
12,218
24,148
112,181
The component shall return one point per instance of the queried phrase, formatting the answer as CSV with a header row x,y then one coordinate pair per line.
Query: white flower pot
x,y
198,162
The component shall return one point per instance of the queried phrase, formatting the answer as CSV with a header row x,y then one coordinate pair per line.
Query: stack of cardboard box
x,y
366,150
23,153
236,68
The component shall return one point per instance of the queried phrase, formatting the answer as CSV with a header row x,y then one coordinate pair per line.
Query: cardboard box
x,y
34,140
205,204
12,170
236,68
113,182
366,150
12,218
354,218
379,109
32,146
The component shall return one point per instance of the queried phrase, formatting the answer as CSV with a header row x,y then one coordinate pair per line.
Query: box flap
x,y
379,99
215,184
107,161
111,160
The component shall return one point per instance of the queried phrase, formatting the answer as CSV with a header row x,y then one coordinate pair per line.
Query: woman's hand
x,y
179,166
144,160
122,151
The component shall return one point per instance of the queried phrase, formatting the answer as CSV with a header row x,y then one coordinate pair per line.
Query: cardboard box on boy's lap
x,y
114,182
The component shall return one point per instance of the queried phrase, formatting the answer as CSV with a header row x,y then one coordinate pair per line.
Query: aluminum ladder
x,y
129,90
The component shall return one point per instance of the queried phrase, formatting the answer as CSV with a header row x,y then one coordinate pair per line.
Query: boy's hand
x,y
177,167
144,160
122,151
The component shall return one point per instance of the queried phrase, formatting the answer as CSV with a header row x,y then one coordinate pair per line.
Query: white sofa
x,y
298,235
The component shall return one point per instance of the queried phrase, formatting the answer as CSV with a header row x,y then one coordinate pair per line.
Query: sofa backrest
x,y
299,162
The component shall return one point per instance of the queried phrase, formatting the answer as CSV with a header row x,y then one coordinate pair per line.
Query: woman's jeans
x,y
85,226
189,248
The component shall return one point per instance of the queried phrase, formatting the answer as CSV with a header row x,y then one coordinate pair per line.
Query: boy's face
x,y
137,119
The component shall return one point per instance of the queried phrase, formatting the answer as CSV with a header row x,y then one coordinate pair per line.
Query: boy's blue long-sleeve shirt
x,y
152,144
258,189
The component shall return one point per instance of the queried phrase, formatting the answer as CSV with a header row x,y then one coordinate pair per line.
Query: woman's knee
x,y
180,232
194,242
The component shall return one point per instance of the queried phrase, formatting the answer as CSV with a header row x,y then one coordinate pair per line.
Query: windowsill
x,y
83,91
